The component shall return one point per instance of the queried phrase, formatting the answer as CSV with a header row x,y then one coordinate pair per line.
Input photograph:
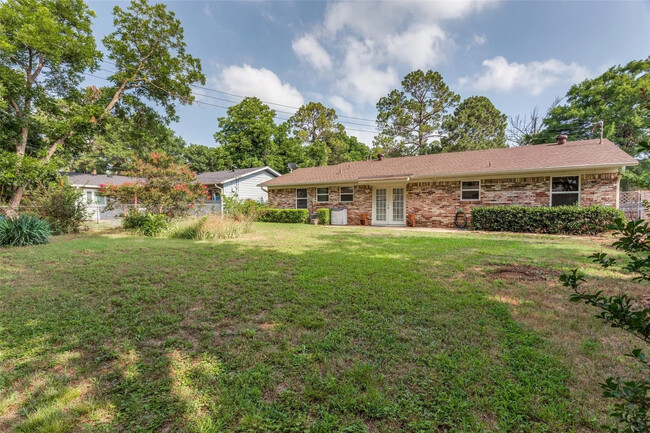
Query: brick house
x,y
433,188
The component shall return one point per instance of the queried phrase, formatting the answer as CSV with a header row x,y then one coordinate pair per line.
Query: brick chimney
x,y
562,138
380,156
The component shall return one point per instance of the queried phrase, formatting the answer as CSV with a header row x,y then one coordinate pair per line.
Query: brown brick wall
x,y
435,203
285,198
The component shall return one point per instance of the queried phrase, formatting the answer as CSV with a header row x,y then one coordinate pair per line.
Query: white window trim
x,y
472,189
328,194
579,191
306,198
341,193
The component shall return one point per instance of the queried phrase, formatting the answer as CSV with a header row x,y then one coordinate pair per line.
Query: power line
x,y
226,107
266,102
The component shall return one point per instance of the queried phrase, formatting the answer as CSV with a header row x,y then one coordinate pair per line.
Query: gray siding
x,y
246,186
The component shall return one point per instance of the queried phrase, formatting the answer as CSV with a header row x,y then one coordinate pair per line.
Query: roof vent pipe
x,y
380,156
562,138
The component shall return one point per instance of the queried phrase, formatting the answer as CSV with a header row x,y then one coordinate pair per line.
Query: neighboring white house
x,y
242,182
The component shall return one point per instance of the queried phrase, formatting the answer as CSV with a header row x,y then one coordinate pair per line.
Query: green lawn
x,y
303,328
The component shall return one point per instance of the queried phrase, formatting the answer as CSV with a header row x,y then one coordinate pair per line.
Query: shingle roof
x,y
572,155
215,177
96,180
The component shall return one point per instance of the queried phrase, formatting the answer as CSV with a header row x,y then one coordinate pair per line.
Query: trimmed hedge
x,y
295,216
323,216
571,220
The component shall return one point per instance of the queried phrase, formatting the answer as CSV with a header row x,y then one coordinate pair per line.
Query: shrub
x,y
209,228
24,230
323,216
572,220
62,205
631,413
248,208
295,216
146,224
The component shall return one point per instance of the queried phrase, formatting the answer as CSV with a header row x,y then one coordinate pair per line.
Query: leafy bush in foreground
x,y
146,224
572,220
24,230
294,216
62,205
324,216
632,412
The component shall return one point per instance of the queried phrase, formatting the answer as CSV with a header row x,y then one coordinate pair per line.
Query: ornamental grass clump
x,y
24,230
209,227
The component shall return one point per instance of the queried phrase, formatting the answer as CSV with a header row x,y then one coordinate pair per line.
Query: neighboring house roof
x,y
217,177
515,160
96,180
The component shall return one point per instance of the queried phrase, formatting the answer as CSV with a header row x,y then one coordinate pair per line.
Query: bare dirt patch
x,y
524,273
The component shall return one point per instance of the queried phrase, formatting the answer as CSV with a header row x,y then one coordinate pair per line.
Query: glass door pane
x,y
398,204
380,204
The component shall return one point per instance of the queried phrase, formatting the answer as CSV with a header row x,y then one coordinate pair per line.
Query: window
x,y
89,197
322,195
565,191
100,199
301,198
347,193
470,190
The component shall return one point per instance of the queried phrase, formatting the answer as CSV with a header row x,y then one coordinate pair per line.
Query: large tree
x,y
203,158
324,138
476,124
410,119
615,97
48,45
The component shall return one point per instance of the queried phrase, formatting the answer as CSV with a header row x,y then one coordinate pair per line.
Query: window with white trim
x,y
470,190
322,195
347,193
301,198
565,191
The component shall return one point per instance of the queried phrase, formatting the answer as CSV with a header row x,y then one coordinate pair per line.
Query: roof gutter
x,y
455,175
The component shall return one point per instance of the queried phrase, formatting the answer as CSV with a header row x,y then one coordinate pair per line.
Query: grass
x,y
303,328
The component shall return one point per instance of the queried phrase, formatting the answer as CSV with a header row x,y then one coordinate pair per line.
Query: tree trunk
x,y
14,202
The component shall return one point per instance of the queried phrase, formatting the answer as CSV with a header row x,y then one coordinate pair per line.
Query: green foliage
x,y
574,220
615,97
324,216
294,216
150,54
164,187
632,412
325,139
476,124
146,224
409,119
202,158
61,205
23,230
243,209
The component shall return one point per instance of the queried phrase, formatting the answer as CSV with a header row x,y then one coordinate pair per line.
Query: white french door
x,y
388,206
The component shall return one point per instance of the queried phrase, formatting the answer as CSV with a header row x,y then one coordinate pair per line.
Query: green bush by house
x,y
24,230
146,224
573,220
295,216
323,216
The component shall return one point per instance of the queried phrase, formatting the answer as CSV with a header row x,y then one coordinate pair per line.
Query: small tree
x,y
61,205
163,187
632,413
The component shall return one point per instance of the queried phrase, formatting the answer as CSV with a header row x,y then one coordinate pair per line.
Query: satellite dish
x,y
292,166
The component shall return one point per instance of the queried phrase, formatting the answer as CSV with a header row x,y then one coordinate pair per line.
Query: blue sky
x,y
347,55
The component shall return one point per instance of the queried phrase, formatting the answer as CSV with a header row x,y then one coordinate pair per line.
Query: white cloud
x,y
477,41
417,47
262,83
341,105
364,81
310,50
532,77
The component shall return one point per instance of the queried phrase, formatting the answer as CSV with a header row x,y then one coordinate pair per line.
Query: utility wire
x,y
226,107
240,96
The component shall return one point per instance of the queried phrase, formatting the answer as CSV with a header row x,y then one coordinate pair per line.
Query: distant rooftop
x,y
216,177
